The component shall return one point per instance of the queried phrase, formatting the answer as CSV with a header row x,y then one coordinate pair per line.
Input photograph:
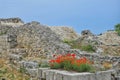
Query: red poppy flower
x,y
73,55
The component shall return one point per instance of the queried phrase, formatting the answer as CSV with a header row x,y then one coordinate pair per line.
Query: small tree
x,y
117,29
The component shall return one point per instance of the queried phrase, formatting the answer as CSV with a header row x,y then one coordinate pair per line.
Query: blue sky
x,y
95,15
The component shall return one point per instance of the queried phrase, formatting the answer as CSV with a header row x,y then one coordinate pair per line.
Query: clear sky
x,y
95,15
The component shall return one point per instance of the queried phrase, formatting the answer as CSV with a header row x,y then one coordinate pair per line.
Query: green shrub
x,y
88,48
117,29
69,42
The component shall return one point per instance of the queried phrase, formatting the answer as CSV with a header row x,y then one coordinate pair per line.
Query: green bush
x,y
88,48
69,42
117,29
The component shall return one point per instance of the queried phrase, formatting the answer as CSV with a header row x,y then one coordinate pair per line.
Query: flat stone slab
x,y
51,74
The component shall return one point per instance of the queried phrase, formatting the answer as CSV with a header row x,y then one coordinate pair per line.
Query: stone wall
x,y
52,74
7,42
95,56
4,45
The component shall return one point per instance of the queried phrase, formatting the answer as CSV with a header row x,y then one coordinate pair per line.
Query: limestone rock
x,y
14,22
29,64
110,38
65,33
86,33
39,39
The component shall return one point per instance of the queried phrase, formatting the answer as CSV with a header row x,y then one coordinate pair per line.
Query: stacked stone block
x,y
4,44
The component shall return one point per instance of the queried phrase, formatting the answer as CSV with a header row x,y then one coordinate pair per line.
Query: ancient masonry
x,y
9,42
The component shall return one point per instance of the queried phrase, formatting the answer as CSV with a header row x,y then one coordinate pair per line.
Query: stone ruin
x,y
14,22
20,41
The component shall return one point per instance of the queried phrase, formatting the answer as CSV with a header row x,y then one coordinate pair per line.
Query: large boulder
x,y
86,33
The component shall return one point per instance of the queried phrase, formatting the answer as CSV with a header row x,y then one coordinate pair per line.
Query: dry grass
x,y
9,73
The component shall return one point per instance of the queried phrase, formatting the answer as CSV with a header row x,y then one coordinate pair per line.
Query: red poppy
x,y
73,55
68,54
57,60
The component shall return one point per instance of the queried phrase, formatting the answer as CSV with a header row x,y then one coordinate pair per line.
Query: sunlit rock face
x,y
65,33
14,22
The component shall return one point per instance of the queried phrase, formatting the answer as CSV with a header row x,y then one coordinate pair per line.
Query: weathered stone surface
x,y
12,40
110,38
34,36
4,29
65,75
15,57
107,43
117,77
29,64
95,56
14,22
42,73
111,42
4,45
65,33
33,72
18,51
103,75
86,33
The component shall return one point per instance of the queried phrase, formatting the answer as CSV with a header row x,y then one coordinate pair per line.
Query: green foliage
x,y
74,45
44,65
22,70
56,66
88,48
82,68
69,42
1,33
67,65
117,29
3,71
